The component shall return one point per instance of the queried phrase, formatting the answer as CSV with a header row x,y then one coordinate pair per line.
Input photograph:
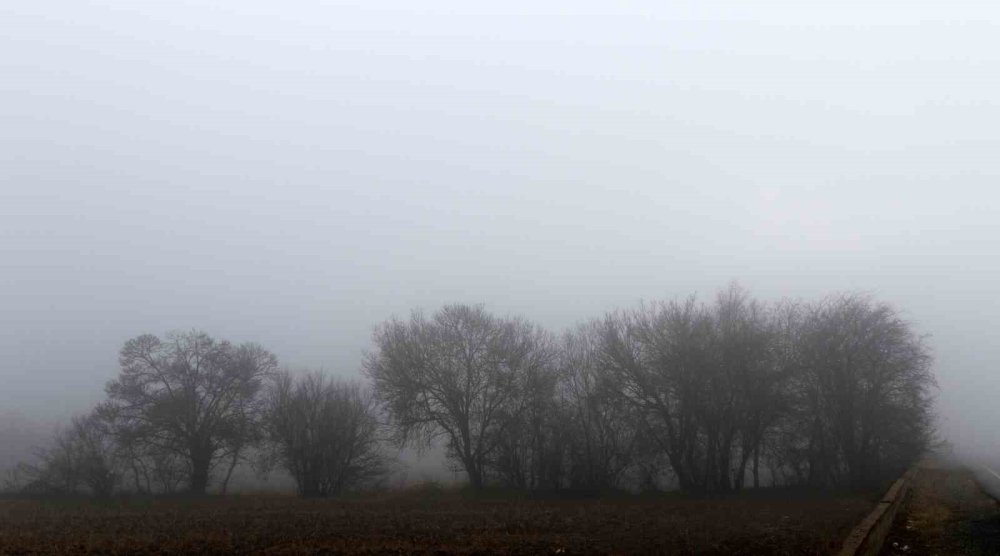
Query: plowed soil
x,y
770,522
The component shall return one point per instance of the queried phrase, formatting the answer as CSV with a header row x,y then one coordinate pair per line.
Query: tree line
x,y
706,397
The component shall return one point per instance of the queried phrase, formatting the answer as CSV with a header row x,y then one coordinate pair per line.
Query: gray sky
x,y
293,173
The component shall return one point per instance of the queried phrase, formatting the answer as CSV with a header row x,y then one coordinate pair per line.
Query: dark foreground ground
x,y
779,522
947,514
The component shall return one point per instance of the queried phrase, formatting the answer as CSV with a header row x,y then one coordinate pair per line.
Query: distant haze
x,y
294,173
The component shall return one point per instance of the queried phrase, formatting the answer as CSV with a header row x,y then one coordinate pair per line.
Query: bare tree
x,y
754,370
189,397
98,459
709,382
81,459
862,393
324,432
462,374
602,430
531,448
656,357
147,468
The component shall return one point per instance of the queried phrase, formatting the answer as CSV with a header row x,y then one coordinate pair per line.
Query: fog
x,y
293,174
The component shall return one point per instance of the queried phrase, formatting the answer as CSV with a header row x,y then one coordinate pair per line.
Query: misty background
x,y
294,174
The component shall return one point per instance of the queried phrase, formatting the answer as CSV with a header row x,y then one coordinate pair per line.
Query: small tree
x,y
531,448
190,397
708,380
656,358
97,455
462,374
601,429
82,459
862,391
146,467
324,432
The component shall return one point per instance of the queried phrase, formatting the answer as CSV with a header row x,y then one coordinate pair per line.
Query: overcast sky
x,y
292,173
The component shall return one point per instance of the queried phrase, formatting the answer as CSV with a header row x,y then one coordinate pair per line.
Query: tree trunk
x,y
475,473
756,466
199,475
135,476
475,478
229,472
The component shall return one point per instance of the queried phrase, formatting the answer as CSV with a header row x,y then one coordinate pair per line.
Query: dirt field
x,y
947,514
785,522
